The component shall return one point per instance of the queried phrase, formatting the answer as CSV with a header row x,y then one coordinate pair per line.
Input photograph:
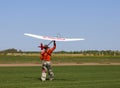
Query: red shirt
x,y
46,54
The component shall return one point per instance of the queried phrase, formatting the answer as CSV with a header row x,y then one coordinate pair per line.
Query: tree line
x,y
84,52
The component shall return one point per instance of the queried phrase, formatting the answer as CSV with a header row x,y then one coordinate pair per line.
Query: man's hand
x,y
54,43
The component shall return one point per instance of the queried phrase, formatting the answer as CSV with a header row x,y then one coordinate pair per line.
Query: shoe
x,y
51,79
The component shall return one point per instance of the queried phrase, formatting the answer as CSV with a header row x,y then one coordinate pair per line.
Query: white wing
x,y
53,38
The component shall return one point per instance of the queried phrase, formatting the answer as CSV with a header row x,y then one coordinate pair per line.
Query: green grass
x,y
65,77
61,59
19,59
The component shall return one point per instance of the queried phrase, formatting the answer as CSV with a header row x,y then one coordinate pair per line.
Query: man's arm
x,y
54,46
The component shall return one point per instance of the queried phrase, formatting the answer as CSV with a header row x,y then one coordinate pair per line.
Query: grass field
x,y
65,77
60,59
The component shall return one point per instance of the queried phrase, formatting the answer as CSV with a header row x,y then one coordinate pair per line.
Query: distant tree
x,y
10,51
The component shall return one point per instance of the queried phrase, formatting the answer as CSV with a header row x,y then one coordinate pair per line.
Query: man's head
x,y
46,47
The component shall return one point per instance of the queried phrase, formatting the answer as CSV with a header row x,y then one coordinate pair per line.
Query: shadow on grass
x,y
56,79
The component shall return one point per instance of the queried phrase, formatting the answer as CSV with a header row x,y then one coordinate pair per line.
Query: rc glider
x,y
53,38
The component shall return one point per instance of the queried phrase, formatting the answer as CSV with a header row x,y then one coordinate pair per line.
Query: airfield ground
x,y
70,72
60,64
59,60
105,76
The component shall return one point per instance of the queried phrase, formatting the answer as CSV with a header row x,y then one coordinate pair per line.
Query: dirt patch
x,y
59,64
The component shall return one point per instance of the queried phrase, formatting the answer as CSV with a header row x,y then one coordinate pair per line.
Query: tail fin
x,y
41,46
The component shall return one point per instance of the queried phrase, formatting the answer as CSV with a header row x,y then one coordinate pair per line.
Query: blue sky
x,y
98,21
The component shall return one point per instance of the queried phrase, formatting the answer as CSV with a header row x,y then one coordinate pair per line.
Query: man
x,y
46,61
